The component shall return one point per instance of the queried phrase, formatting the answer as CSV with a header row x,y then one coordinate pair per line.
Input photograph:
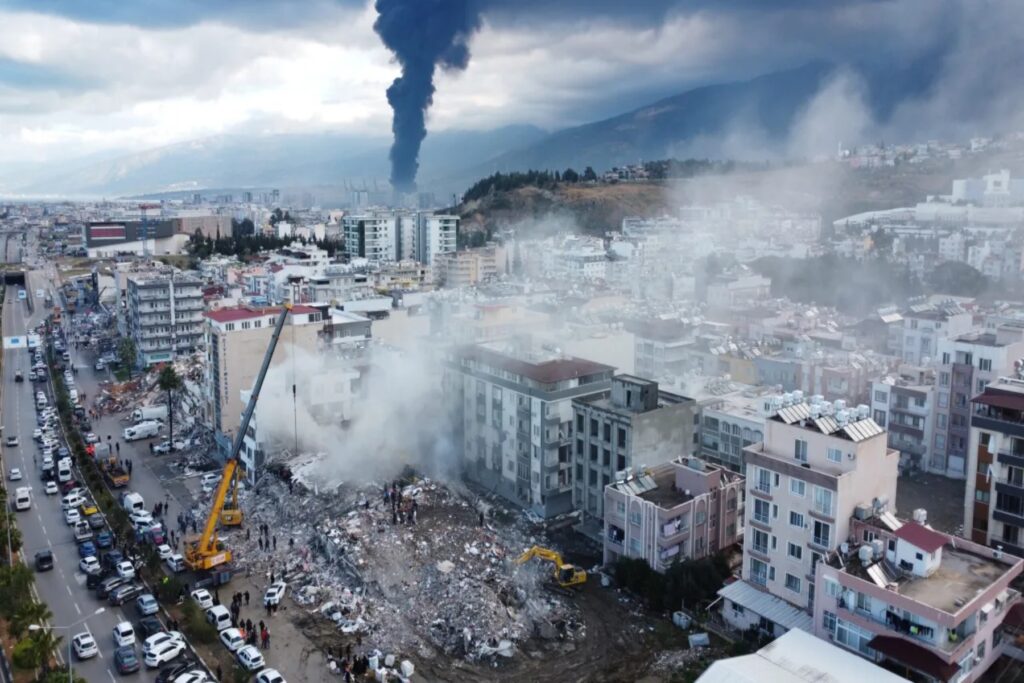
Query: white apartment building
x,y
728,426
387,236
965,366
904,404
515,408
164,316
817,464
373,236
925,324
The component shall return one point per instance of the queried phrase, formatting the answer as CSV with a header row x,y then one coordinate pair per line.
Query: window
x,y
945,359
622,437
699,517
835,455
579,424
795,551
943,379
940,441
792,583
797,487
985,364
593,453
800,450
593,427
850,636
634,517
943,399
880,417
822,534
764,480
828,621
759,542
758,572
796,519
607,432
881,397
823,501
864,602
982,383
832,588
761,511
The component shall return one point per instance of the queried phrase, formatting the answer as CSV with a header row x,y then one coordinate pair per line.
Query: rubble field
x,y
443,594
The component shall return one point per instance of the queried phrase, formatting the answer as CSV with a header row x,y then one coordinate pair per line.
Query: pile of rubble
x,y
434,581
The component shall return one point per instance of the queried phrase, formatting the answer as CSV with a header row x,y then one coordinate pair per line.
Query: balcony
x,y
999,420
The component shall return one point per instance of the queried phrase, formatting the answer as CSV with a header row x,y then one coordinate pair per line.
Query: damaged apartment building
x,y
515,407
633,424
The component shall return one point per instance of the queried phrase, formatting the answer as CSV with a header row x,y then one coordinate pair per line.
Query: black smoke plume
x,y
423,34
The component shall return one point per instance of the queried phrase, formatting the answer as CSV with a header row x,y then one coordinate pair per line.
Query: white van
x,y
219,616
143,430
73,395
72,500
63,471
132,502
22,499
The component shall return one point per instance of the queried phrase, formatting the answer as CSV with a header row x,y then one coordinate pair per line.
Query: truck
x,y
132,502
33,342
113,471
142,430
149,413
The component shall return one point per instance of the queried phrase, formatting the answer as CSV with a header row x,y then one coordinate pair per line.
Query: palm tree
x,y
45,642
28,613
170,381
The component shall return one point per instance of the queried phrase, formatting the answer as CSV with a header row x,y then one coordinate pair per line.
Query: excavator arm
x,y
207,552
565,574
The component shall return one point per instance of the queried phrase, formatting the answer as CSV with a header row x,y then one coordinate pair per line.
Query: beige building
x,y
466,268
236,341
819,462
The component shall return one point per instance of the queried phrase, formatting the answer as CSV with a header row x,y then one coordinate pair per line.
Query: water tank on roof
x,y
863,412
878,548
840,404
815,411
842,417
864,553
920,515
787,399
817,399
798,396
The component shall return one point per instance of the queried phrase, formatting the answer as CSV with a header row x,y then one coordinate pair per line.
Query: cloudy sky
x,y
85,77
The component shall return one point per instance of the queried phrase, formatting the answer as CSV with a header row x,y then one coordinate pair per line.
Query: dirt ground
x,y
942,497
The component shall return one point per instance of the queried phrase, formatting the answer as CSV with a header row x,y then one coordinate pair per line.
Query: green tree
x,y
589,175
169,381
28,613
127,353
32,651
956,278
570,176
58,675
14,588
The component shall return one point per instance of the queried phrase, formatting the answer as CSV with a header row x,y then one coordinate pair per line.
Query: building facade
x,y
818,462
164,316
517,421
633,424
678,510
904,404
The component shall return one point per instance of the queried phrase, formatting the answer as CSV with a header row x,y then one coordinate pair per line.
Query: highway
x,y
62,589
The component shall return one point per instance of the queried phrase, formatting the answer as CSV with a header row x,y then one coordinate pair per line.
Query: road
x,y
43,526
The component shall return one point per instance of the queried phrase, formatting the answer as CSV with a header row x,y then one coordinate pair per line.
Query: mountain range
x,y
451,160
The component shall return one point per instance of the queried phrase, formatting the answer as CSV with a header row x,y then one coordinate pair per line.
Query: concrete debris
x,y
419,576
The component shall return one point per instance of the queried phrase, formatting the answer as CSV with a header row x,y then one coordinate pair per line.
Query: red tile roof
x,y
234,314
921,537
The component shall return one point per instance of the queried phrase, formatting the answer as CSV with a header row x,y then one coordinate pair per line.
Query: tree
x,y
570,176
589,175
956,278
169,381
28,613
127,353
58,675
32,651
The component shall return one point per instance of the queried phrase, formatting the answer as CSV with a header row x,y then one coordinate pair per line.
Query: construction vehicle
x,y
565,575
208,551
231,514
113,471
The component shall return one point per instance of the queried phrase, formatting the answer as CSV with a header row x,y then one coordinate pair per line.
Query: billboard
x,y
107,231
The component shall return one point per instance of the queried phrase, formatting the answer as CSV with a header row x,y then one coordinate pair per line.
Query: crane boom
x,y
206,554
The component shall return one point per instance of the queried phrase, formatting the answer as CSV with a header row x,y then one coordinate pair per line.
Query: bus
x,y
22,295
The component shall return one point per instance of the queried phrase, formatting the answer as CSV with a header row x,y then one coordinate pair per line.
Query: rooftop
x,y
665,494
236,313
549,371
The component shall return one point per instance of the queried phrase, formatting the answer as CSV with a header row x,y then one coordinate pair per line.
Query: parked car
x,y
157,639
89,565
84,646
104,539
164,551
124,593
124,634
193,676
169,673
15,474
250,658
164,653
149,626
71,516
97,521
270,676
202,598
126,661
111,583
51,488
232,639
146,604
274,593
125,569
88,549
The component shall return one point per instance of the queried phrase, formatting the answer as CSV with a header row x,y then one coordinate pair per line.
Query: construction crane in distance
x,y
565,575
144,226
208,551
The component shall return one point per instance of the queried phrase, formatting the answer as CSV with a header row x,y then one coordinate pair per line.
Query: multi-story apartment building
x,y
817,464
904,404
385,235
164,316
236,341
729,425
660,348
966,364
915,600
925,324
517,420
679,510
633,424
435,234
466,268
373,236
994,502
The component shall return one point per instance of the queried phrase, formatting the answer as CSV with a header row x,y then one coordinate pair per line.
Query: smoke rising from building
x,y
422,34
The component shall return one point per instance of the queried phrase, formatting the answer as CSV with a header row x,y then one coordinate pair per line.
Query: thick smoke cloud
x,y
423,34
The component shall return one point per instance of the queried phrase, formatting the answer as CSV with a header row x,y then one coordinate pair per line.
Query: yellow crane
x,y
208,551
565,575
231,514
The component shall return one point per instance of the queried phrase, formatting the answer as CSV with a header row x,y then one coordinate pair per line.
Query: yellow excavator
x,y
208,551
565,575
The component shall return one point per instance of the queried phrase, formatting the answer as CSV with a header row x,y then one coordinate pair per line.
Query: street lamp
x,y
37,627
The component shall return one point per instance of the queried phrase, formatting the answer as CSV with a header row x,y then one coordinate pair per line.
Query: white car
x,y
158,639
51,488
232,639
192,677
140,517
89,565
164,551
12,441
270,676
250,658
124,634
202,598
72,517
161,654
274,593
15,474
209,480
91,438
125,569
84,645
37,434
